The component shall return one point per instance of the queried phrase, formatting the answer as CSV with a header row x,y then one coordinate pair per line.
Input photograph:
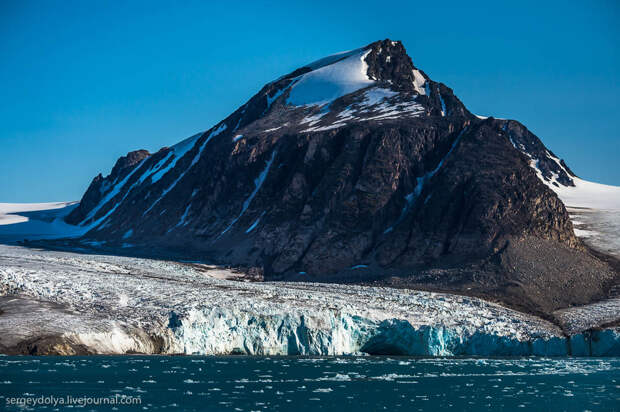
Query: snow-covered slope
x,y
331,79
589,195
11,213
20,221
595,212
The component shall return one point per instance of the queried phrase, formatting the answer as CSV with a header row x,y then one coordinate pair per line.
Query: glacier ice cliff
x,y
112,304
220,332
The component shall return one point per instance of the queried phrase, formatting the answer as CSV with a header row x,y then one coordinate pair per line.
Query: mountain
x,y
358,167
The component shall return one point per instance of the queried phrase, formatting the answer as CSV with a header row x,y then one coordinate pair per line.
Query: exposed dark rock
x,y
123,163
100,185
46,345
545,160
388,62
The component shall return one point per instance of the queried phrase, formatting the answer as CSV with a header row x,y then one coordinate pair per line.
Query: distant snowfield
x,y
589,195
594,210
10,212
20,221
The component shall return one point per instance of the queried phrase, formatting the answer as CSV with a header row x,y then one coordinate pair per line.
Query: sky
x,y
83,83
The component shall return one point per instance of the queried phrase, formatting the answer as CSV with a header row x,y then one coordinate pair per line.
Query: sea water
x,y
369,383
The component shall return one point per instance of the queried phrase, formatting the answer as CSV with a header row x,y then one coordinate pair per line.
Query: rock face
x,y
356,167
99,187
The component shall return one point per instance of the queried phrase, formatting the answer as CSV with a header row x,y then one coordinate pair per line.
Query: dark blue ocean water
x,y
309,384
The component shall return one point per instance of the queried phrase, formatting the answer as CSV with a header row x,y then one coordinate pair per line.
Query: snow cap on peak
x,y
331,77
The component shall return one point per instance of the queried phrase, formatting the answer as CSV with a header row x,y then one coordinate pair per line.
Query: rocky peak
x,y
101,185
129,160
389,62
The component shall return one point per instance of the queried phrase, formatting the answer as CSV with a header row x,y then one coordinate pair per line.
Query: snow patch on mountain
x,y
419,82
178,151
334,77
420,183
257,185
376,103
255,224
377,95
110,195
444,111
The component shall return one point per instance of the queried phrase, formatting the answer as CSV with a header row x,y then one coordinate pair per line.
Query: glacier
x,y
117,305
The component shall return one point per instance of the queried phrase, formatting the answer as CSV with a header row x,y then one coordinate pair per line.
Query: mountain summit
x,y
358,167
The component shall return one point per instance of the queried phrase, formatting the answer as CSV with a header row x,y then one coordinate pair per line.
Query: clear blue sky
x,y
84,82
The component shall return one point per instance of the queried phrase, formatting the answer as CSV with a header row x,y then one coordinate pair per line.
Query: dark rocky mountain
x,y
357,167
